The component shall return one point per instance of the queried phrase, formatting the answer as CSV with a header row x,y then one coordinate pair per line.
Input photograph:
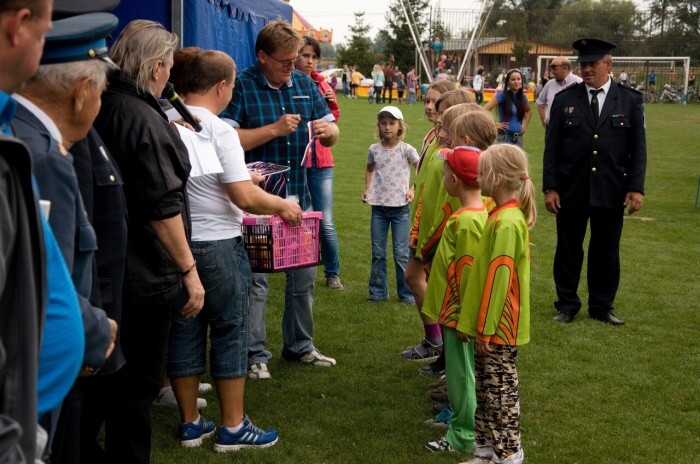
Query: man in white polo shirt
x,y
563,78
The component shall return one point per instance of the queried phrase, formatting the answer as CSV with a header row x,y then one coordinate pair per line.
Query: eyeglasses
x,y
284,63
555,66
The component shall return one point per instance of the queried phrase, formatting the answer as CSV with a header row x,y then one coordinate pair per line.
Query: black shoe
x,y
608,317
564,317
432,371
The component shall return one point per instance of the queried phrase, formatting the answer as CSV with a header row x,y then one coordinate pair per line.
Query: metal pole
x,y
471,42
415,39
176,19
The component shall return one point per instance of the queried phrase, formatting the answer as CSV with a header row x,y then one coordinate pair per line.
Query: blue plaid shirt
x,y
256,104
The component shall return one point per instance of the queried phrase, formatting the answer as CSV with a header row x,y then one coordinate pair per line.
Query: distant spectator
x,y
411,83
346,80
355,80
501,80
623,77
378,78
388,82
478,85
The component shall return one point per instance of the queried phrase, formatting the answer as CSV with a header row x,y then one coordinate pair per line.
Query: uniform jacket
x,y
22,299
76,238
595,164
101,186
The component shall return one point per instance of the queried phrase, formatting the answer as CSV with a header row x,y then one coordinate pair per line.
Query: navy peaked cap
x,y
66,8
592,49
79,38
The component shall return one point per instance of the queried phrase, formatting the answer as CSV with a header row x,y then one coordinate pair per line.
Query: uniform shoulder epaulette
x,y
627,87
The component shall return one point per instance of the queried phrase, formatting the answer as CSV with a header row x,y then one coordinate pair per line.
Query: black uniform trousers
x,y
603,257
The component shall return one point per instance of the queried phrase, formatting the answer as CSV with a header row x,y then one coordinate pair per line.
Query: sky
x,y
339,14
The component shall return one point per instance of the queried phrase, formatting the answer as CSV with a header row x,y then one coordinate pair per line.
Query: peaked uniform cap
x,y
67,8
79,38
592,49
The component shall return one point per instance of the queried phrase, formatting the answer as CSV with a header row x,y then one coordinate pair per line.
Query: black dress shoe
x,y
609,318
564,317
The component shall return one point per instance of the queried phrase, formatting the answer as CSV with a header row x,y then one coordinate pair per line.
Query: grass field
x,y
590,393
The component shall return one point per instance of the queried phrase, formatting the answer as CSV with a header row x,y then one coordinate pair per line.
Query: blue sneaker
x,y
248,437
191,434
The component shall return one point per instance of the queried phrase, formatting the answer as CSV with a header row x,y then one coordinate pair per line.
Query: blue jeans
x,y
346,89
398,217
225,274
297,320
320,182
411,97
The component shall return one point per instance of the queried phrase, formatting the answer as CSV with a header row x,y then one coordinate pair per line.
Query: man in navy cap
x,y
594,166
56,109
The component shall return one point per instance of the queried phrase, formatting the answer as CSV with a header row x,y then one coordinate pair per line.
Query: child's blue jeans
x,y
398,218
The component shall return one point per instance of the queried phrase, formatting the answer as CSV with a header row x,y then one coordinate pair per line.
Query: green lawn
x,y
590,393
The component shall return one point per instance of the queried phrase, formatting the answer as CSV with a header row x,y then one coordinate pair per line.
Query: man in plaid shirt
x,y
272,108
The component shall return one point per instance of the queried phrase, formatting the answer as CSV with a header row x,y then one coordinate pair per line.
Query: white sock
x,y
196,421
236,428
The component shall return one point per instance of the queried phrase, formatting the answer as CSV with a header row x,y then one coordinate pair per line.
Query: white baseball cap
x,y
393,111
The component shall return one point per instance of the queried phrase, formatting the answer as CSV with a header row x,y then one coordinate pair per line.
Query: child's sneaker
x,y
424,351
192,433
249,436
440,446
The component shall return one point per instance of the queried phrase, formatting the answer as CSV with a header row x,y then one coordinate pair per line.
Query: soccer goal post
x,y
672,70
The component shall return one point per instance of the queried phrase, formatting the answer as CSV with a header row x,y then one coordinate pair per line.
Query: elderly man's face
x,y
277,66
559,71
595,73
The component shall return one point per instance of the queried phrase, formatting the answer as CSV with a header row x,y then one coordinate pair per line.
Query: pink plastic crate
x,y
274,246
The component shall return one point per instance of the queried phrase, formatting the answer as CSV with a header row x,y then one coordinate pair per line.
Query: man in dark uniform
x,y
594,166
72,74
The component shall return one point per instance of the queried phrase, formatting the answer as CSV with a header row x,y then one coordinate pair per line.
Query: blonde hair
x,y
441,86
139,47
403,127
451,98
377,68
504,168
453,112
278,35
478,125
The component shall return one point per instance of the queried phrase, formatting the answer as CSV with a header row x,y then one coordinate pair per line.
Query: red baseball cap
x,y
464,161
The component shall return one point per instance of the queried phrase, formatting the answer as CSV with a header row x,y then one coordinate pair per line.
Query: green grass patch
x,y
590,393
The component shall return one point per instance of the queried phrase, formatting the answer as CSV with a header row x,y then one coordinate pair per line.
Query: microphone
x,y
174,99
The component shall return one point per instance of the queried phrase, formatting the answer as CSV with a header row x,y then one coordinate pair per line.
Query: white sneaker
x,y
205,387
317,359
166,397
258,371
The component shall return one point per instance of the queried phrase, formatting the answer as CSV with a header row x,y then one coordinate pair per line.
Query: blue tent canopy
x,y
227,25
